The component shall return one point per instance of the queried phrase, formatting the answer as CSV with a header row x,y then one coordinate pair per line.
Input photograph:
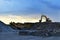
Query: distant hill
x,y
5,28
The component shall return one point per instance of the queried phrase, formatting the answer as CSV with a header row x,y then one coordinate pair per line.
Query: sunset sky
x,y
29,10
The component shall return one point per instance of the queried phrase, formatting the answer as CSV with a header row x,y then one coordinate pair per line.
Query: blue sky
x,y
51,8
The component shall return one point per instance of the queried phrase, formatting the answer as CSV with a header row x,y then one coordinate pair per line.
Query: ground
x,y
15,36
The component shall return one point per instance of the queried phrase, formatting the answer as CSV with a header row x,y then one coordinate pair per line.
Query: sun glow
x,y
12,18
43,19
